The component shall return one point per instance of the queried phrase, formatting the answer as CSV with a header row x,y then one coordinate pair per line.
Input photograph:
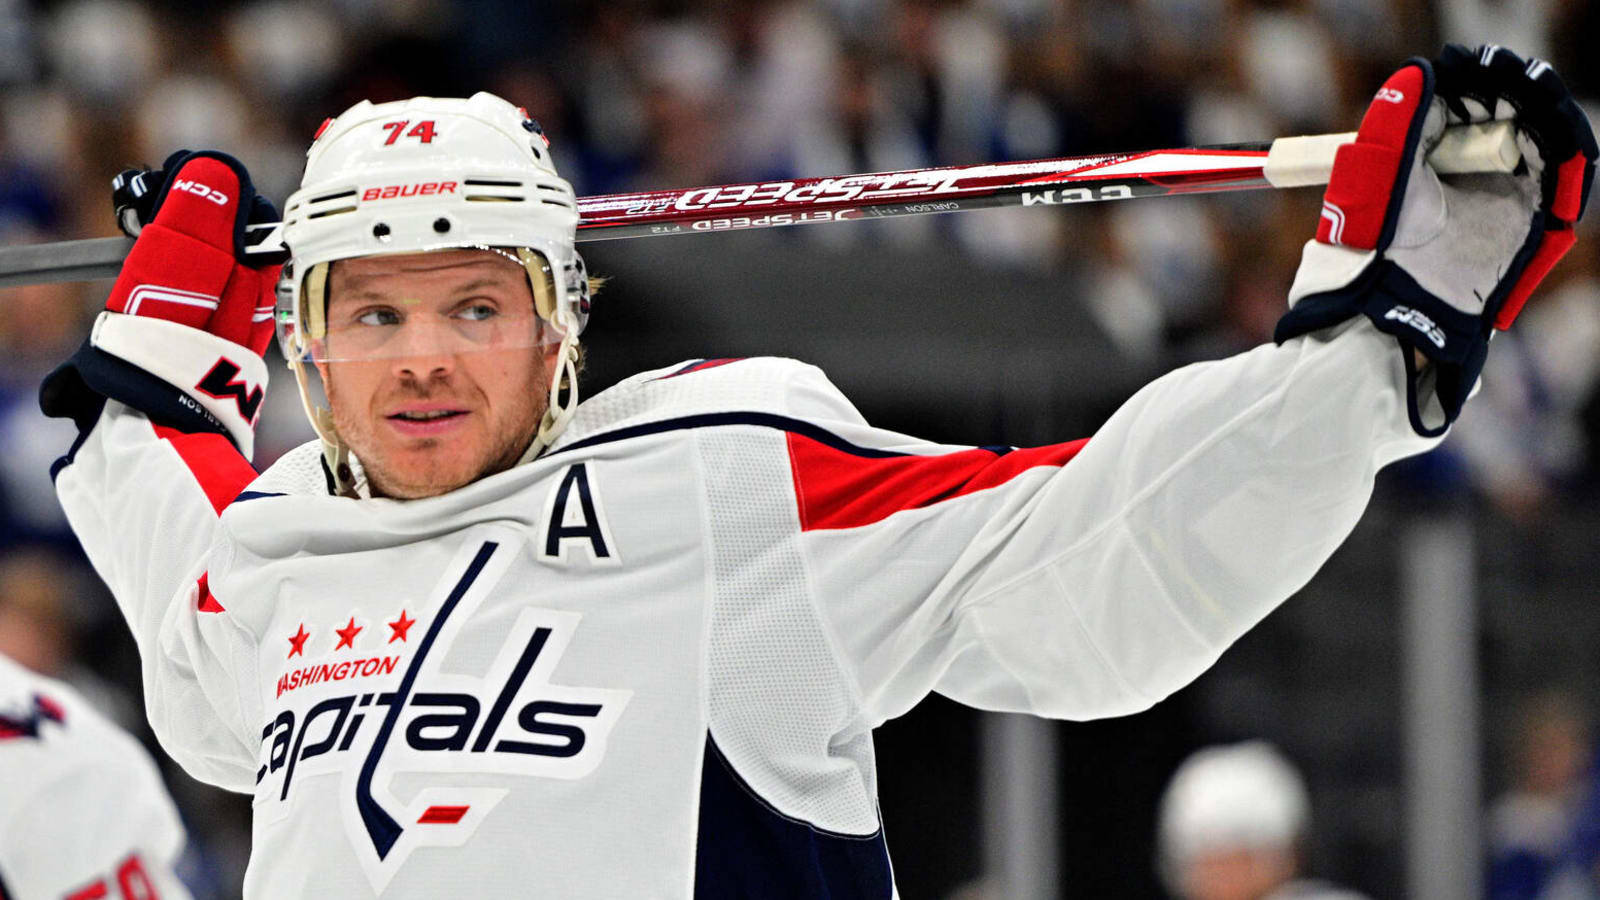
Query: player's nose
x,y
422,353
423,368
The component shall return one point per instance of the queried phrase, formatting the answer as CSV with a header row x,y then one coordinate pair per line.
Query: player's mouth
x,y
429,420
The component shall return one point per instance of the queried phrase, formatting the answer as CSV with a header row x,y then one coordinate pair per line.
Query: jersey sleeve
x,y
1093,578
142,488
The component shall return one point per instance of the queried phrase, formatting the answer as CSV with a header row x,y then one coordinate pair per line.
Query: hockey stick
x,y
1283,163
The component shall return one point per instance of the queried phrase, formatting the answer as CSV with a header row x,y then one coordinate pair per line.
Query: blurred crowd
x,y
675,93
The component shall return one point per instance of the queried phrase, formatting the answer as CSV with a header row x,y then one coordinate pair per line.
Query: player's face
x,y
1237,874
437,407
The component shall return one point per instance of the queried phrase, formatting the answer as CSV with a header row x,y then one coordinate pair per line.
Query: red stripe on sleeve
x,y
838,489
218,468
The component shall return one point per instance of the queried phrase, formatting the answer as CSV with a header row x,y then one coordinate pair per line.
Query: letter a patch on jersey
x,y
573,516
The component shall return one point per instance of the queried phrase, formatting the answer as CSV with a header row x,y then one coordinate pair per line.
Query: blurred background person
x,y
45,602
1232,823
1535,826
83,810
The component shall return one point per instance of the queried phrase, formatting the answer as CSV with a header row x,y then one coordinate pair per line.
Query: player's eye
x,y
378,316
477,311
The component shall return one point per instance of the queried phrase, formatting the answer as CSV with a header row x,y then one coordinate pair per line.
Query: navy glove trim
x,y
1545,108
79,388
1456,342
1402,178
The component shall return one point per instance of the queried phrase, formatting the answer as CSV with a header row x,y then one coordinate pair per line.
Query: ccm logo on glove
x,y
1390,95
200,190
1408,316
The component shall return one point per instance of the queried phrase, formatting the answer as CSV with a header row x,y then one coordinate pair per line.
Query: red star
x,y
400,626
297,643
347,634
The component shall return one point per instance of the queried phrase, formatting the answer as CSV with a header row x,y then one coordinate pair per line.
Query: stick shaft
x,y
1286,162
920,191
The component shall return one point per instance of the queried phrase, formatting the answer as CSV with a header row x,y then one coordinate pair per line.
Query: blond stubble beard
x,y
508,446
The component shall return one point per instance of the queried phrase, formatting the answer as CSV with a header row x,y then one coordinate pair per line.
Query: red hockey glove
x,y
188,320
1440,262
186,265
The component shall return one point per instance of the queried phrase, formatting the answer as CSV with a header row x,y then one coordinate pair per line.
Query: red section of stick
x,y
917,191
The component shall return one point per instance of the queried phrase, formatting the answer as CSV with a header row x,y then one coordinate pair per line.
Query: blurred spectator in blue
x,y
1542,830
29,202
1524,441
39,325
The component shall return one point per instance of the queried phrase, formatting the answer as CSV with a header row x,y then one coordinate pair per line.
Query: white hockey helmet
x,y
428,174
1244,796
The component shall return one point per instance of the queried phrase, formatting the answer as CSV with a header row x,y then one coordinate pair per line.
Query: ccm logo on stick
x,y
201,190
1076,195
420,189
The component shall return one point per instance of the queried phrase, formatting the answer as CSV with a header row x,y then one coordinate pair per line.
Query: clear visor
x,y
419,306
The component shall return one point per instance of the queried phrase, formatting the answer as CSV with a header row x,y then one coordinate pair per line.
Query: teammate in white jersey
x,y
83,811
479,639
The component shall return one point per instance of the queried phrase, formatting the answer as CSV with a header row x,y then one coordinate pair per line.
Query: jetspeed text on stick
x,y
827,190
798,218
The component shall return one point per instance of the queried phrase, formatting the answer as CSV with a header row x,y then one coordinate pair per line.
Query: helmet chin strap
x,y
564,380
563,399
335,455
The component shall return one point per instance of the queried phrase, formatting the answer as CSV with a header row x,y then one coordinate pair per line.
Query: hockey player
x,y
1231,826
479,639
83,812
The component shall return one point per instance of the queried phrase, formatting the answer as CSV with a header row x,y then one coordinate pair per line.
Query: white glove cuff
x,y
226,381
1326,267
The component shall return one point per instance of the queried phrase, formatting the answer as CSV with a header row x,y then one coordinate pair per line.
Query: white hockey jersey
x,y
648,664
83,811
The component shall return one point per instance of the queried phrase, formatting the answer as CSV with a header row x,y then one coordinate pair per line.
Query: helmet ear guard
x,y
570,318
309,323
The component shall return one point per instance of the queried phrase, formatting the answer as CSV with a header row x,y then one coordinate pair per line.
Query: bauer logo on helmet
x,y
418,189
